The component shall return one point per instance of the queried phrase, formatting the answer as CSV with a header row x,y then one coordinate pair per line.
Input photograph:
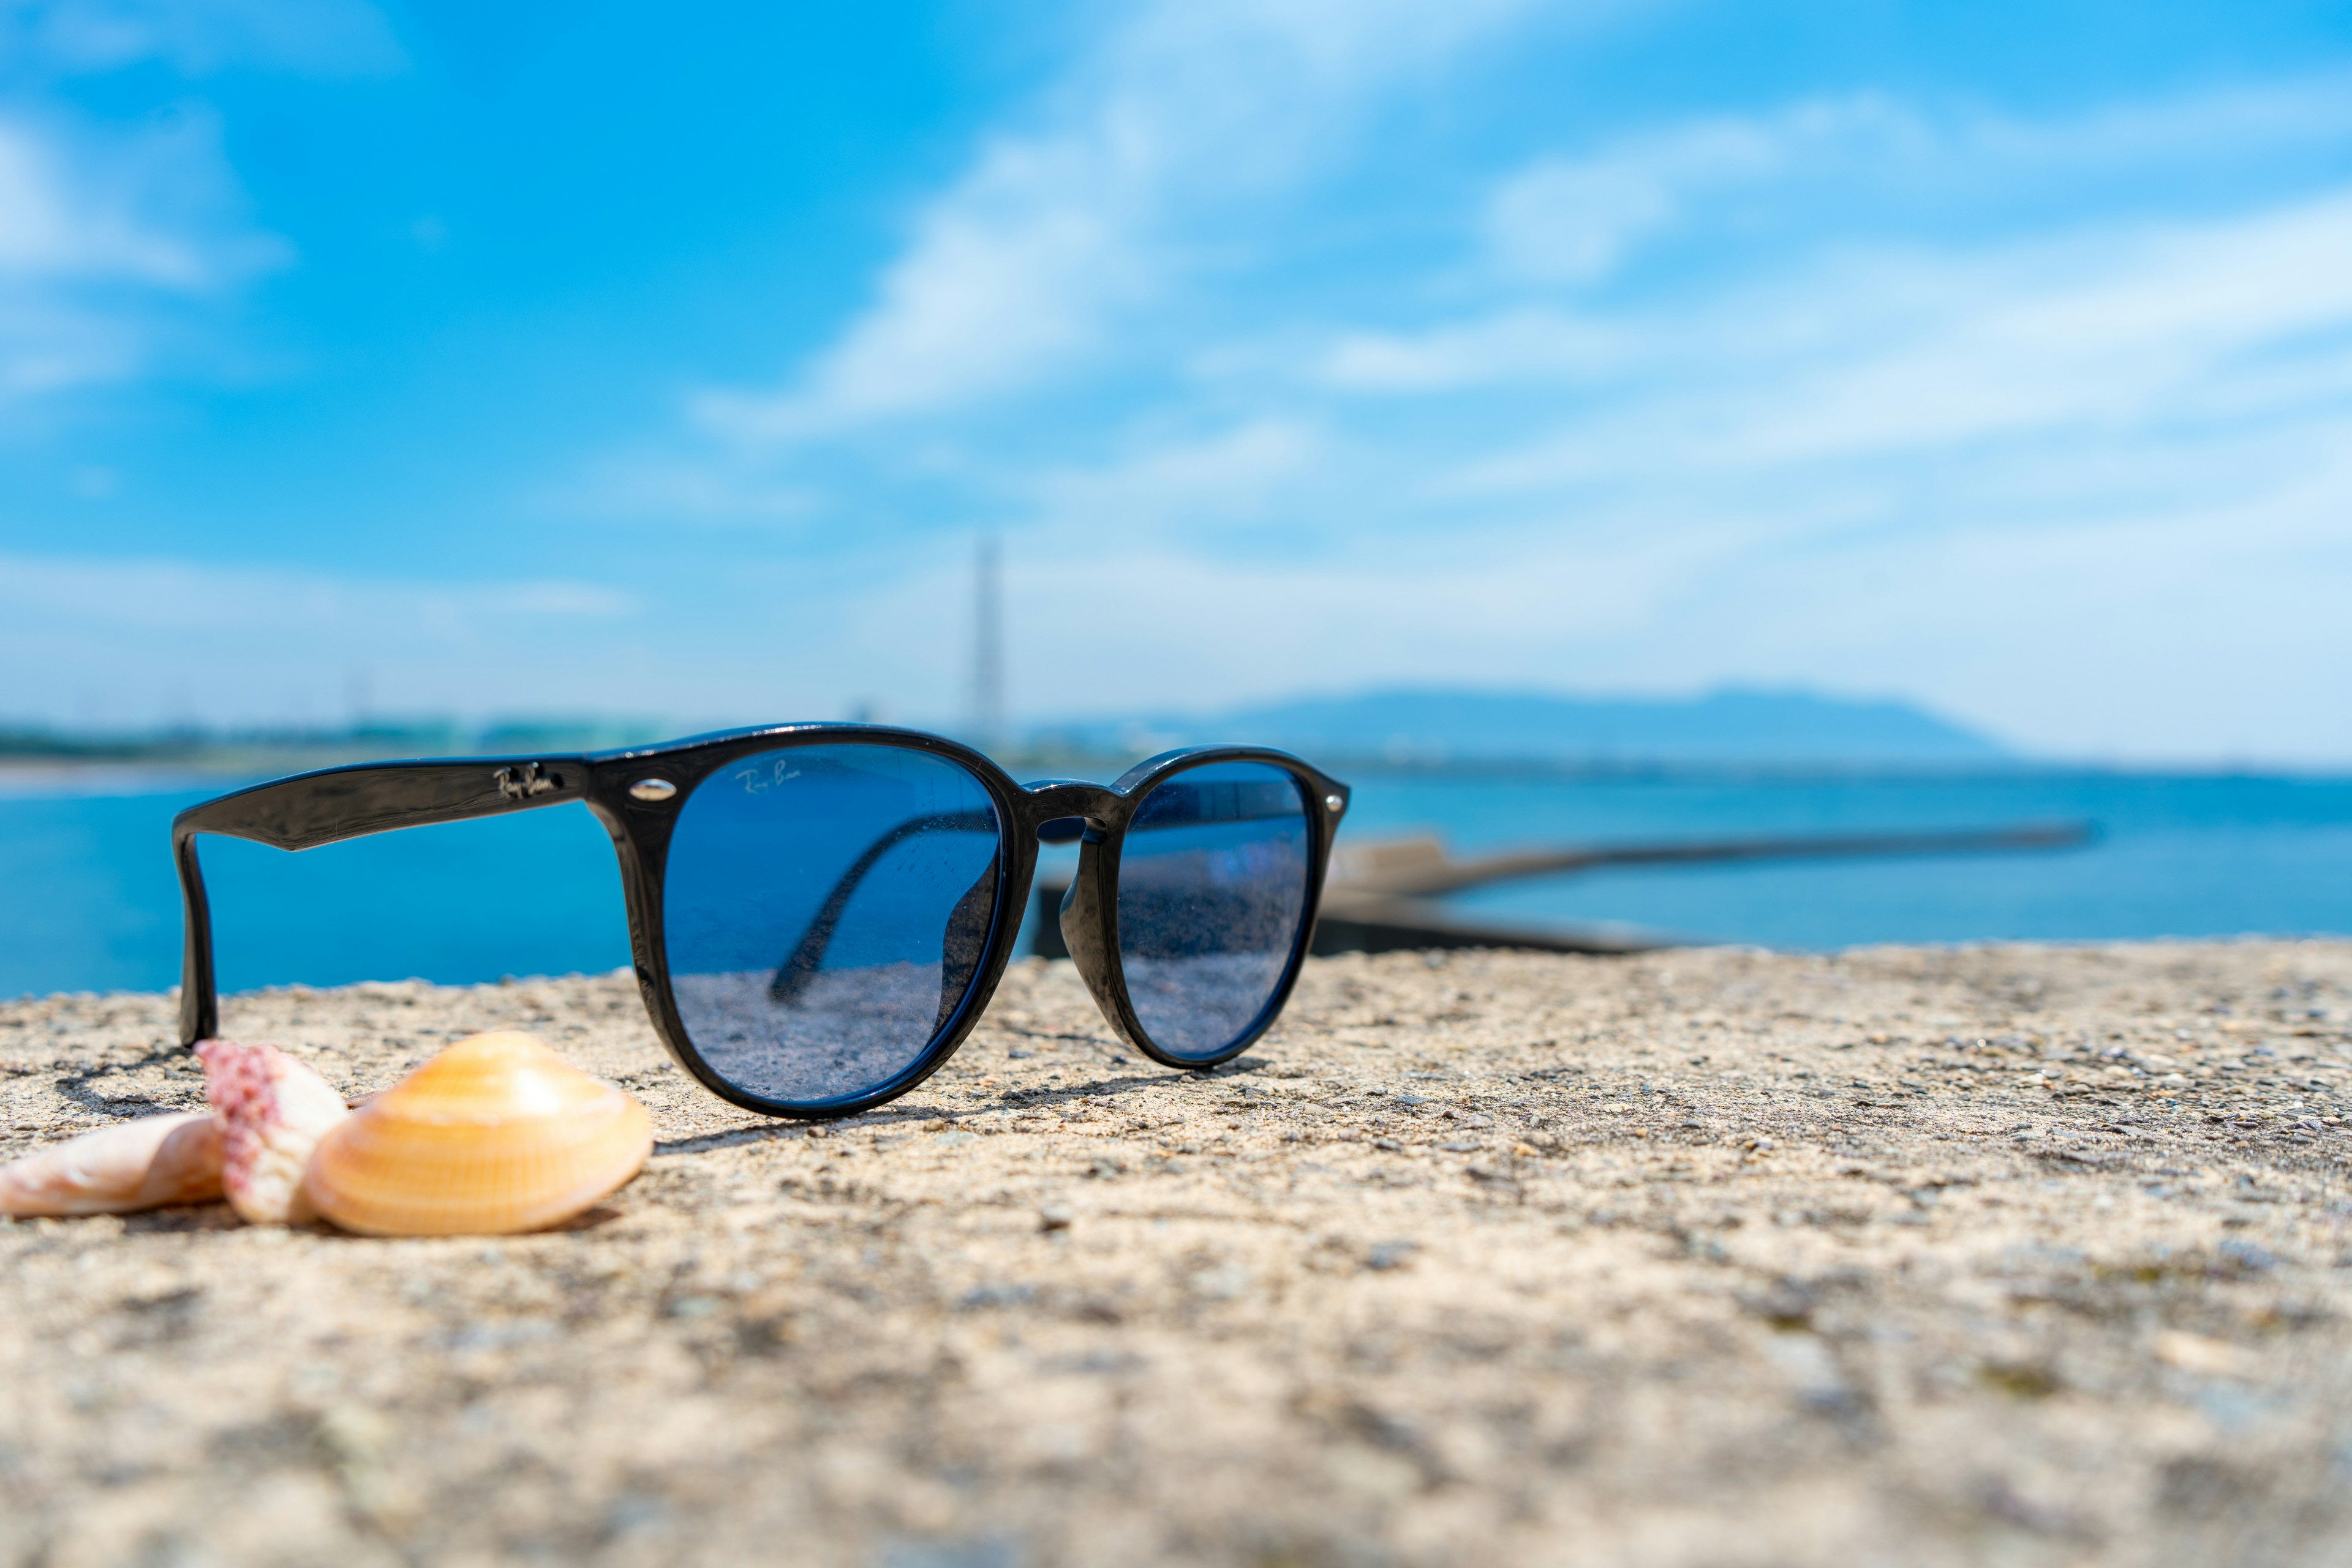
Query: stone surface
x,y
1708,1258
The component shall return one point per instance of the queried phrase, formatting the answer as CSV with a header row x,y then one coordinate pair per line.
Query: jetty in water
x,y
1386,894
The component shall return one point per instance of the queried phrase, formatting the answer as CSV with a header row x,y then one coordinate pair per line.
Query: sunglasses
x,y
819,913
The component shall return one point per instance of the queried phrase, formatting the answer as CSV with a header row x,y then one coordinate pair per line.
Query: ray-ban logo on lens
x,y
524,780
757,780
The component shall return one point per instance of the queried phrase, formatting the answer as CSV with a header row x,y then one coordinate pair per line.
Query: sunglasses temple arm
x,y
336,803
199,1007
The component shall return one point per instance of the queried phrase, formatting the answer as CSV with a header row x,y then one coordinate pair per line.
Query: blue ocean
x,y
93,906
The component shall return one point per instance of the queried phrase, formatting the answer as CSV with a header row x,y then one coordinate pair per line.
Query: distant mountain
x,y
1727,726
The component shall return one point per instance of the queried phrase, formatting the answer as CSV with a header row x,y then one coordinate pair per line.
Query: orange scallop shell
x,y
496,1134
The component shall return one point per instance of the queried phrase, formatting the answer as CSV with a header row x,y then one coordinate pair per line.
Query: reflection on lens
x,y
1212,891
826,908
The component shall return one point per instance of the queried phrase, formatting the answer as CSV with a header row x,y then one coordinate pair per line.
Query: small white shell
x,y
148,1164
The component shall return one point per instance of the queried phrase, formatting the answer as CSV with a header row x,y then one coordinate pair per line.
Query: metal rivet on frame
x,y
652,789
1334,802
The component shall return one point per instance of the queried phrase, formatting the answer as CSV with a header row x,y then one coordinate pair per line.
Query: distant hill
x,y
1434,725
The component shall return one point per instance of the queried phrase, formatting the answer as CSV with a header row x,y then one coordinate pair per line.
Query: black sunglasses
x,y
819,913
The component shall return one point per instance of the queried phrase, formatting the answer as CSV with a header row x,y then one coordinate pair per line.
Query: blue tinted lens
x,y
1212,891
826,908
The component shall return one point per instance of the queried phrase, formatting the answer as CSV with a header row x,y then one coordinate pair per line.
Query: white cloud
x,y
2087,491
1574,220
121,241
1849,163
323,38
108,241
674,491
1237,474
268,644
1523,342
2137,621
184,596
2084,487
1125,623
2034,420
1068,232
2201,627
2153,331
153,209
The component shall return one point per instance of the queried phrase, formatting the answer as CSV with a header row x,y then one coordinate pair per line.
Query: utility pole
x,y
988,648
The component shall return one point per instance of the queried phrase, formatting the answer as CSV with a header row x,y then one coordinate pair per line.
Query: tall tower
x,y
988,648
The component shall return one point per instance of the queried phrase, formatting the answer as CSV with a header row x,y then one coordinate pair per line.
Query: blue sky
x,y
583,358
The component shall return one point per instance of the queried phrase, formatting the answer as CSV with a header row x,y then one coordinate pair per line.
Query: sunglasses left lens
x,y
826,910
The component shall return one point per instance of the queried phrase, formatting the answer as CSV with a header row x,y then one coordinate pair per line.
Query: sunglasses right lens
x,y
826,910
1211,895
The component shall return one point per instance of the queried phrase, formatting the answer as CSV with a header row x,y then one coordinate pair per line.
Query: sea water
x,y
91,903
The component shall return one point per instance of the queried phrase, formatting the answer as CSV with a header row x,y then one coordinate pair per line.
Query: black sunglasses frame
x,y
637,794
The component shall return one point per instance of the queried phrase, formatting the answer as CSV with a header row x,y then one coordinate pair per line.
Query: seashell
x,y
146,1163
273,1111
496,1134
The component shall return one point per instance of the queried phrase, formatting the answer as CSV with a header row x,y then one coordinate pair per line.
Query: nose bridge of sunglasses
x,y
1068,809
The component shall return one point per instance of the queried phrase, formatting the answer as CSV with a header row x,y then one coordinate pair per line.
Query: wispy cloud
x,y
679,491
1070,228
1575,220
107,239
2002,468
2158,330
121,239
1236,475
2087,487
188,595
1867,163
318,37
1311,343
272,643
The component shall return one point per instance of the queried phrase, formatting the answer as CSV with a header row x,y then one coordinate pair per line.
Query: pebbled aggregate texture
x,y
1710,1258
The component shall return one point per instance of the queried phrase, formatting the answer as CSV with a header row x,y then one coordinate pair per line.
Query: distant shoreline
x,y
76,772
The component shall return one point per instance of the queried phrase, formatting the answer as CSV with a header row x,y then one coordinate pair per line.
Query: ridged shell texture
x,y
272,1112
496,1134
